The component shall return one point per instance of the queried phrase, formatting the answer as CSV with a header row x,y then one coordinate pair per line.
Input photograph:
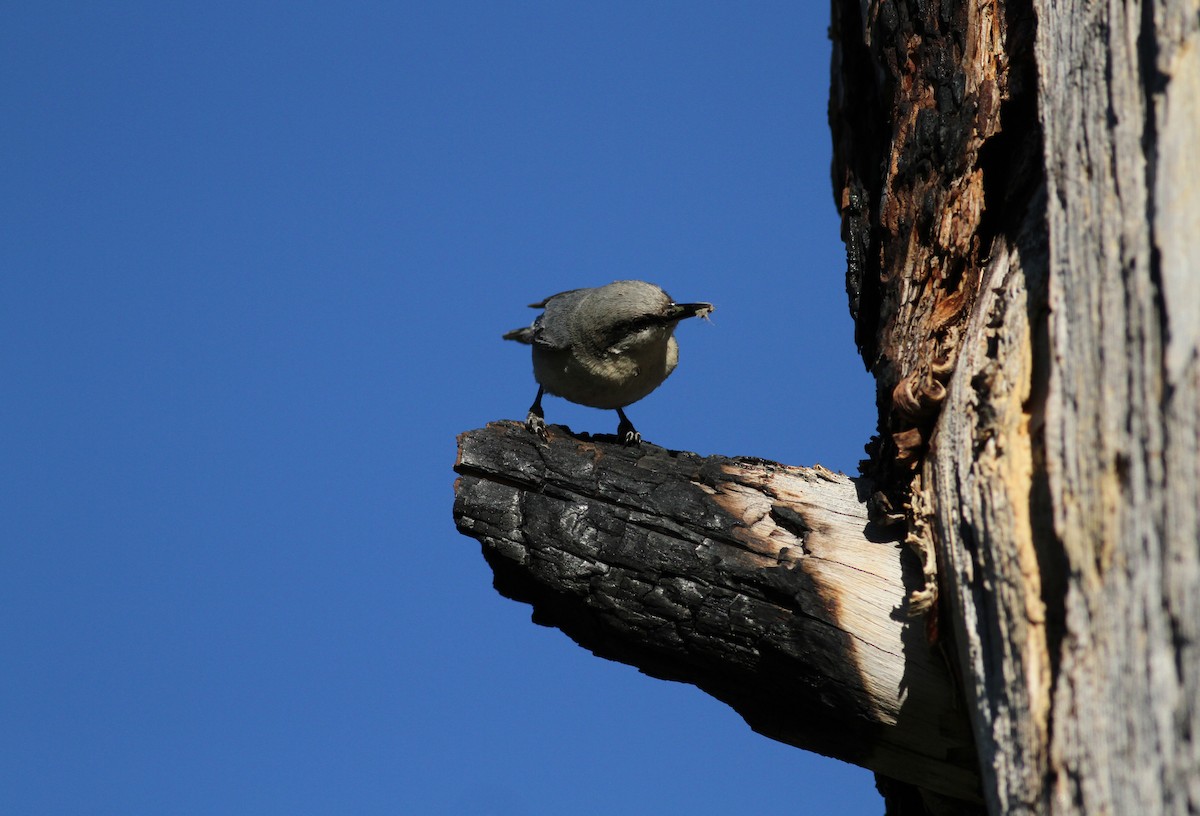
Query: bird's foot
x,y
536,420
536,424
627,433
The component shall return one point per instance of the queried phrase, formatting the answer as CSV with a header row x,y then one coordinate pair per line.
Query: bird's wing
x,y
541,304
551,327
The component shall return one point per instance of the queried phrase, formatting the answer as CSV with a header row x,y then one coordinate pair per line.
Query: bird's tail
x,y
522,335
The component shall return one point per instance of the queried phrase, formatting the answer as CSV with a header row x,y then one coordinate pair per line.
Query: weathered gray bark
x,y
1078,612
1120,90
1055,477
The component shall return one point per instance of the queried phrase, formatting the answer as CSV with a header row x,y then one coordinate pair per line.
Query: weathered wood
x,y
984,490
934,140
936,171
1119,91
764,585
1064,477
1057,467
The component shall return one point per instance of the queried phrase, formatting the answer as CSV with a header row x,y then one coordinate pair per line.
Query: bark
x,y
765,585
1054,477
937,166
1120,102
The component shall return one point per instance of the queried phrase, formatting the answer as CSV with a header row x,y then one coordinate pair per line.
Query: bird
x,y
604,347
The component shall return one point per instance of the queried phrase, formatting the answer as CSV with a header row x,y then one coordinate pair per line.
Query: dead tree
x,y
1020,195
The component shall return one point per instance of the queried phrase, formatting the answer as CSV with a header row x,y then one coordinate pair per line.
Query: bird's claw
x,y
536,424
627,433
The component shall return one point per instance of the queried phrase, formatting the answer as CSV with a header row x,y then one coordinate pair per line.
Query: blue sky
x,y
257,260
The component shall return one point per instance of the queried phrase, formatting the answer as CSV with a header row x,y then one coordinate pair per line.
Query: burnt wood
x,y
762,584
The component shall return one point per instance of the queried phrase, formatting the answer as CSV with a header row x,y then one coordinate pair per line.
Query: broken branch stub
x,y
765,585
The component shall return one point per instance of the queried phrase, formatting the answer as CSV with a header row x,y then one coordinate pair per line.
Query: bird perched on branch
x,y
605,347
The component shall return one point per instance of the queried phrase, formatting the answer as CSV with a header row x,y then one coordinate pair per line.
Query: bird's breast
x,y
605,380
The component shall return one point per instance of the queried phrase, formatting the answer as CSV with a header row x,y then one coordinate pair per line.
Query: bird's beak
x,y
678,311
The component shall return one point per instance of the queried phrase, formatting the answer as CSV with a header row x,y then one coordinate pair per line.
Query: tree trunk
x,y
1051,470
1020,191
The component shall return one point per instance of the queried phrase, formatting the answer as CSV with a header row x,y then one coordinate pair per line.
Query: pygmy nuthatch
x,y
605,347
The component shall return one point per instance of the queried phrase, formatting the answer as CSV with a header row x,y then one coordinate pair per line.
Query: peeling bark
x,y
922,93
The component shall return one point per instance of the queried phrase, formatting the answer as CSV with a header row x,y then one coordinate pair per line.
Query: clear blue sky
x,y
257,257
